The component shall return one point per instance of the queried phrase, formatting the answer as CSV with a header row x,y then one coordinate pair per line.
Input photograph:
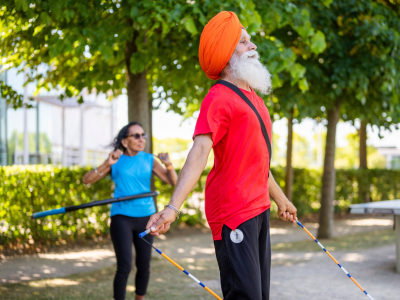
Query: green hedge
x,y
24,190
379,184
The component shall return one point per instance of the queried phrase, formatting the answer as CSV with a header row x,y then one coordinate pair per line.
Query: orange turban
x,y
217,43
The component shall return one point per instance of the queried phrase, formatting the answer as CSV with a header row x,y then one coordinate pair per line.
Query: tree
x,y
103,45
299,39
362,45
292,103
379,105
112,46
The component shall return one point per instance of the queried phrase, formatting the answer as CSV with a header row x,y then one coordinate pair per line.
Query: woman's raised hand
x,y
164,157
113,157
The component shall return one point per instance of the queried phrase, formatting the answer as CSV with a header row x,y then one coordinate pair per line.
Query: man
x,y
240,184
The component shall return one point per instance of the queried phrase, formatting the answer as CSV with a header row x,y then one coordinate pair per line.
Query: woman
x,y
131,170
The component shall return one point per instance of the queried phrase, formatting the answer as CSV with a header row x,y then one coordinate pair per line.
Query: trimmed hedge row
x,y
28,189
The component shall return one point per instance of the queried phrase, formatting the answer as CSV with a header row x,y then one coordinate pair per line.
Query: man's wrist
x,y
278,201
171,207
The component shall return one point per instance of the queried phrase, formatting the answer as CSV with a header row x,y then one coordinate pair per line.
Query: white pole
x,y
320,150
16,149
25,158
388,161
82,150
112,120
64,148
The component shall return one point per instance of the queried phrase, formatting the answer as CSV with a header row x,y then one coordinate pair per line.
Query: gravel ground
x,y
315,276
298,275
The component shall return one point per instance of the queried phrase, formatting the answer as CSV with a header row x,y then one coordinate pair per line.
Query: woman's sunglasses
x,y
138,135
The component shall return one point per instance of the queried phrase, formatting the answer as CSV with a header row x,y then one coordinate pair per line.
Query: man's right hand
x,y
287,212
113,157
161,221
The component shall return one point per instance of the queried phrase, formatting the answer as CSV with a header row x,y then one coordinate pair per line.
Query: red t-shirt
x,y
237,186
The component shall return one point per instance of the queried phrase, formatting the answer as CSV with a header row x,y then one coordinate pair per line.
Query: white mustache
x,y
250,55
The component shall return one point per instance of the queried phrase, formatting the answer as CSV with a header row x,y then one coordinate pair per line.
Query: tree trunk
x,y
362,188
150,141
138,94
140,101
329,176
289,168
138,105
363,145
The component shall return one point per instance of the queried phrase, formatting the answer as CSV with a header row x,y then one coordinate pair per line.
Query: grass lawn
x,y
167,282
354,242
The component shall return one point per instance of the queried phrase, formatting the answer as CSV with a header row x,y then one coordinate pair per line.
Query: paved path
x,y
38,266
193,245
314,276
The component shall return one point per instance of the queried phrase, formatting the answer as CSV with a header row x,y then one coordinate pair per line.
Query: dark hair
x,y
117,143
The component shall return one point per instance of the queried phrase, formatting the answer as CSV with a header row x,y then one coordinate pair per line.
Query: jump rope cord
x,y
327,252
143,234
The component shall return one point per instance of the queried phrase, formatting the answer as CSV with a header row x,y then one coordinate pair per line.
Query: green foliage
x,y
318,44
381,184
12,97
354,58
193,209
24,190
85,43
360,63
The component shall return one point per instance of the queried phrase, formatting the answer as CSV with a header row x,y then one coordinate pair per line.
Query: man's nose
x,y
252,46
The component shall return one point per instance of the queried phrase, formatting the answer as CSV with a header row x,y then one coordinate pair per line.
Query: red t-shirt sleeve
x,y
215,116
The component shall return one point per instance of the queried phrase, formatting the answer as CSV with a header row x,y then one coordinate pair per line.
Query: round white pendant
x,y
236,236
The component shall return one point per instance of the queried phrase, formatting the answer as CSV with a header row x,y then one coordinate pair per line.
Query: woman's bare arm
x,y
167,175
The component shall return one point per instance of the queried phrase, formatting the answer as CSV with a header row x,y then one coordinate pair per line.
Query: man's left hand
x,y
287,211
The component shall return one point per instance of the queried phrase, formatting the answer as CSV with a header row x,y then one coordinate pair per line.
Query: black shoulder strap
x,y
243,96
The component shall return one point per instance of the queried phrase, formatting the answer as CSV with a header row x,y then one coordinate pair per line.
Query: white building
x,y
392,155
58,132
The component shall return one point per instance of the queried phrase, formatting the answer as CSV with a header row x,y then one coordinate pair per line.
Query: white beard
x,y
251,71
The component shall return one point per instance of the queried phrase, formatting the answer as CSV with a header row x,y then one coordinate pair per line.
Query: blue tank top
x,y
132,175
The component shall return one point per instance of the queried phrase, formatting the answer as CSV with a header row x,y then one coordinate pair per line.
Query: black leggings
x,y
124,231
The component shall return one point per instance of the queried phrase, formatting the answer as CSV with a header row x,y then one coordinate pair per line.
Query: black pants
x,y
244,260
124,231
